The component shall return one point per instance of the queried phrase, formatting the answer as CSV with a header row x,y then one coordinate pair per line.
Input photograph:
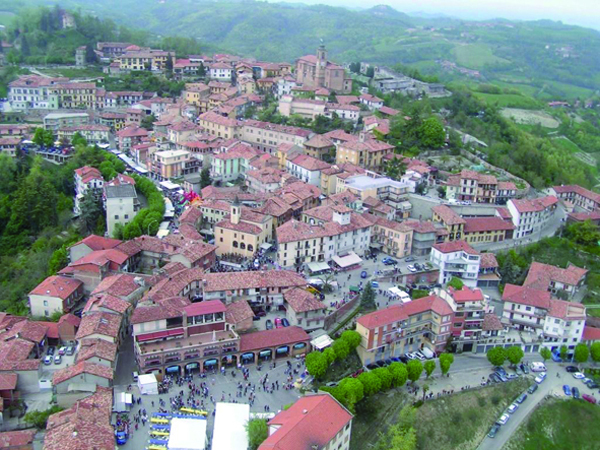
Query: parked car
x,y
532,388
278,323
48,360
589,398
576,393
538,367
592,385
512,408
586,380
404,359
50,351
380,363
525,369
357,373
57,359
420,356
332,384
521,398
363,274
410,259
261,314
70,350
135,376
62,350
495,378
541,377
255,318
411,268
578,376
285,322
512,376
493,431
389,261
518,371
571,369
502,377
567,389
503,419
372,366
375,284
269,324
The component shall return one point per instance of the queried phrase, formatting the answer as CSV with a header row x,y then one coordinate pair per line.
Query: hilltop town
x,y
259,250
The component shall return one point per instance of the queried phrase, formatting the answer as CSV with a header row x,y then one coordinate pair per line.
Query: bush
x,y
496,399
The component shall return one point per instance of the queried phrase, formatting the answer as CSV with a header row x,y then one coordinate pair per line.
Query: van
x,y
427,353
538,367
135,376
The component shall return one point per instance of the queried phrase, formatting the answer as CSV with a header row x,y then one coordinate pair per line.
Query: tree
x,y
78,139
169,64
564,352
132,230
582,353
583,233
595,351
429,367
257,432
446,360
350,391
39,419
205,179
352,337
385,377
329,355
456,283
515,354
399,373
425,389
341,349
25,50
431,133
370,72
118,231
316,364
367,299
496,356
545,353
371,383
441,190
415,369
395,168
148,122
43,138
91,208
201,71
401,435
90,54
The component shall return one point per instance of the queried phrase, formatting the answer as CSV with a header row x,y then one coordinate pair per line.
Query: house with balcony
x,y
87,177
304,309
456,259
530,216
469,308
454,224
556,280
392,238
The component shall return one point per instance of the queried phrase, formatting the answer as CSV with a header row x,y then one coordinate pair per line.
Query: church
x,y
315,71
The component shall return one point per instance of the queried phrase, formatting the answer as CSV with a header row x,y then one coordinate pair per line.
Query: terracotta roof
x,y
541,275
534,205
69,372
293,230
242,227
286,129
51,329
213,117
15,354
575,189
389,111
167,309
488,261
455,246
507,186
102,323
230,281
309,163
57,286
87,174
504,213
106,301
17,439
8,381
132,131
389,224
311,422
526,296
421,226
566,310
485,224
448,216
101,257
238,312
118,181
275,207
300,300
71,319
466,294
266,175
591,334
491,322
402,312
120,285
583,216
26,329
97,348
319,141
272,338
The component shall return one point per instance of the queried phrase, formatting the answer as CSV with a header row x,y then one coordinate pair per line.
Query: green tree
x,y
370,72
341,349
131,231
90,54
39,419
446,360
371,383
385,377
425,388
456,283
367,299
399,374
350,391
316,364
583,233
91,208
43,138
205,179
432,133
118,231
429,367
169,64
496,356
329,355
514,354
78,139
582,353
595,351
564,352
257,432
59,260
148,122
395,168
352,337
545,353
415,369
25,49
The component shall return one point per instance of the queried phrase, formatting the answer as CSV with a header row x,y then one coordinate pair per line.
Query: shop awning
x,y
318,266
350,259
265,246
354,289
159,335
321,342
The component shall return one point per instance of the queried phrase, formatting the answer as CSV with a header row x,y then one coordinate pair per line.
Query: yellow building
x,y
76,95
287,151
168,163
197,94
394,238
480,230
454,224
219,126
144,59
365,152
242,232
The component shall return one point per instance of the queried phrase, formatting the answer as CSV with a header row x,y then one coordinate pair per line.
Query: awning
x,y
318,266
162,234
265,246
350,259
354,289
159,335
321,342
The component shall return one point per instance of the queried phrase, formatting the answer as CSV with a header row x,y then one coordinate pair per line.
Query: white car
x,y
419,356
503,419
578,376
512,408
541,377
411,268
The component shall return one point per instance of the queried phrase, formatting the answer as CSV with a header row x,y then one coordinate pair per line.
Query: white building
x,y
86,178
345,112
531,216
456,259
303,309
221,71
121,205
284,86
307,169
55,293
370,101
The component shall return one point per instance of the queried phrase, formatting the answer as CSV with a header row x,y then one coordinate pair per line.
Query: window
x,y
117,217
45,302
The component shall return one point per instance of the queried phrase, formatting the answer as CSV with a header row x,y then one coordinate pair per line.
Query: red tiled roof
x,y
120,285
455,246
389,111
504,213
132,131
488,261
238,312
448,215
402,312
526,296
87,174
15,354
167,309
466,294
101,257
102,323
566,310
272,338
534,205
484,224
311,422
8,381
309,163
300,300
71,319
491,322
17,439
98,242
57,286
575,189
541,275
230,281
591,334
286,129
97,348
26,329
242,227
319,141
90,368
106,301
208,307
51,329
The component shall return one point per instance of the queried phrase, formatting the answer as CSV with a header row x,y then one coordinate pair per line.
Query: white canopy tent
x,y
148,384
403,296
187,434
318,266
230,426
122,402
350,259
321,342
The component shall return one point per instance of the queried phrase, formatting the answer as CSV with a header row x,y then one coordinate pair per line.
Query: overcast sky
x,y
577,12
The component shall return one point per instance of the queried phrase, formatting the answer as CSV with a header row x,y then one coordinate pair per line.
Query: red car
x,y
278,323
589,398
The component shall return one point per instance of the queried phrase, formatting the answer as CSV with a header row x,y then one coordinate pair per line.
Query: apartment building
x,y
268,137
94,134
217,125
130,136
242,232
145,59
392,238
391,192
10,145
319,147
232,163
115,121
364,152
485,230
87,177
304,309
34,92
399,329
531,216
555,280
168,164
121,205
220,71
479,188
452,222
56,121
307,169
456,259
578,196
55,294
77,95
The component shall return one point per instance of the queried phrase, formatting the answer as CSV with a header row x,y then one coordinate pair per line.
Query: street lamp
x,y
151,222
